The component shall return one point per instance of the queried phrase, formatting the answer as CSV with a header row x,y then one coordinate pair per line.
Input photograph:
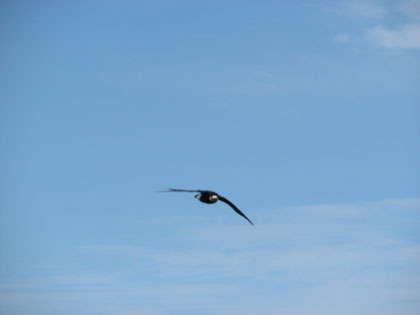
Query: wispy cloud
x,y
342,38
264,74
267,82
363,9
410,8
359,9
219,105
405,37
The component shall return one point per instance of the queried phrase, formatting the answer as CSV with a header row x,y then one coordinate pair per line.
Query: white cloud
x,y
403,37
406,37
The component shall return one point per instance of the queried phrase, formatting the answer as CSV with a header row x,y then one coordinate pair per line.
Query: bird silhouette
x,y
208,196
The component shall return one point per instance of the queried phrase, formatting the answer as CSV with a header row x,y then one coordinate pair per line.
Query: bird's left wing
x,y
235,208
179,190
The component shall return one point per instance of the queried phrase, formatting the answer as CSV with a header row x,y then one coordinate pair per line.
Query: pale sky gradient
x,y
306,114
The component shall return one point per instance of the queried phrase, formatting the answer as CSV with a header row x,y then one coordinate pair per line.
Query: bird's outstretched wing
x,y
180,190
234,208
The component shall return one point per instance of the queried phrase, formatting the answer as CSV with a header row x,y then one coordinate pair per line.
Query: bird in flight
x,y
208,196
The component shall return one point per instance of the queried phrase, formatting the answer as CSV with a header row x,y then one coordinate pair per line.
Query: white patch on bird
x,y
197,196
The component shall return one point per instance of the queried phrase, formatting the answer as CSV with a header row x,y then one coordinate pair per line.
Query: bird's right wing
x,y
221,198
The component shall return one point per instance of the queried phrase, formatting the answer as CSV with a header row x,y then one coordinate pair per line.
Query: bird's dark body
x,y
208,196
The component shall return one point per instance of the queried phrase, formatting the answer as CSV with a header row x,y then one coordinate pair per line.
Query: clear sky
x,y
306,114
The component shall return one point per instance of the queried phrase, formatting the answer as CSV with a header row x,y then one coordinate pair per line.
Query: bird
x,y
210,197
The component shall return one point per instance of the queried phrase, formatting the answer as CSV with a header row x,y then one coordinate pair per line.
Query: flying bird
x,y
208,196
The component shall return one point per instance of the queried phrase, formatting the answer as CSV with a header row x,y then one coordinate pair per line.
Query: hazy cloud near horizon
x,y
366,255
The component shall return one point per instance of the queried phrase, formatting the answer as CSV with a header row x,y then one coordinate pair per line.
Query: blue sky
x,y
305,114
